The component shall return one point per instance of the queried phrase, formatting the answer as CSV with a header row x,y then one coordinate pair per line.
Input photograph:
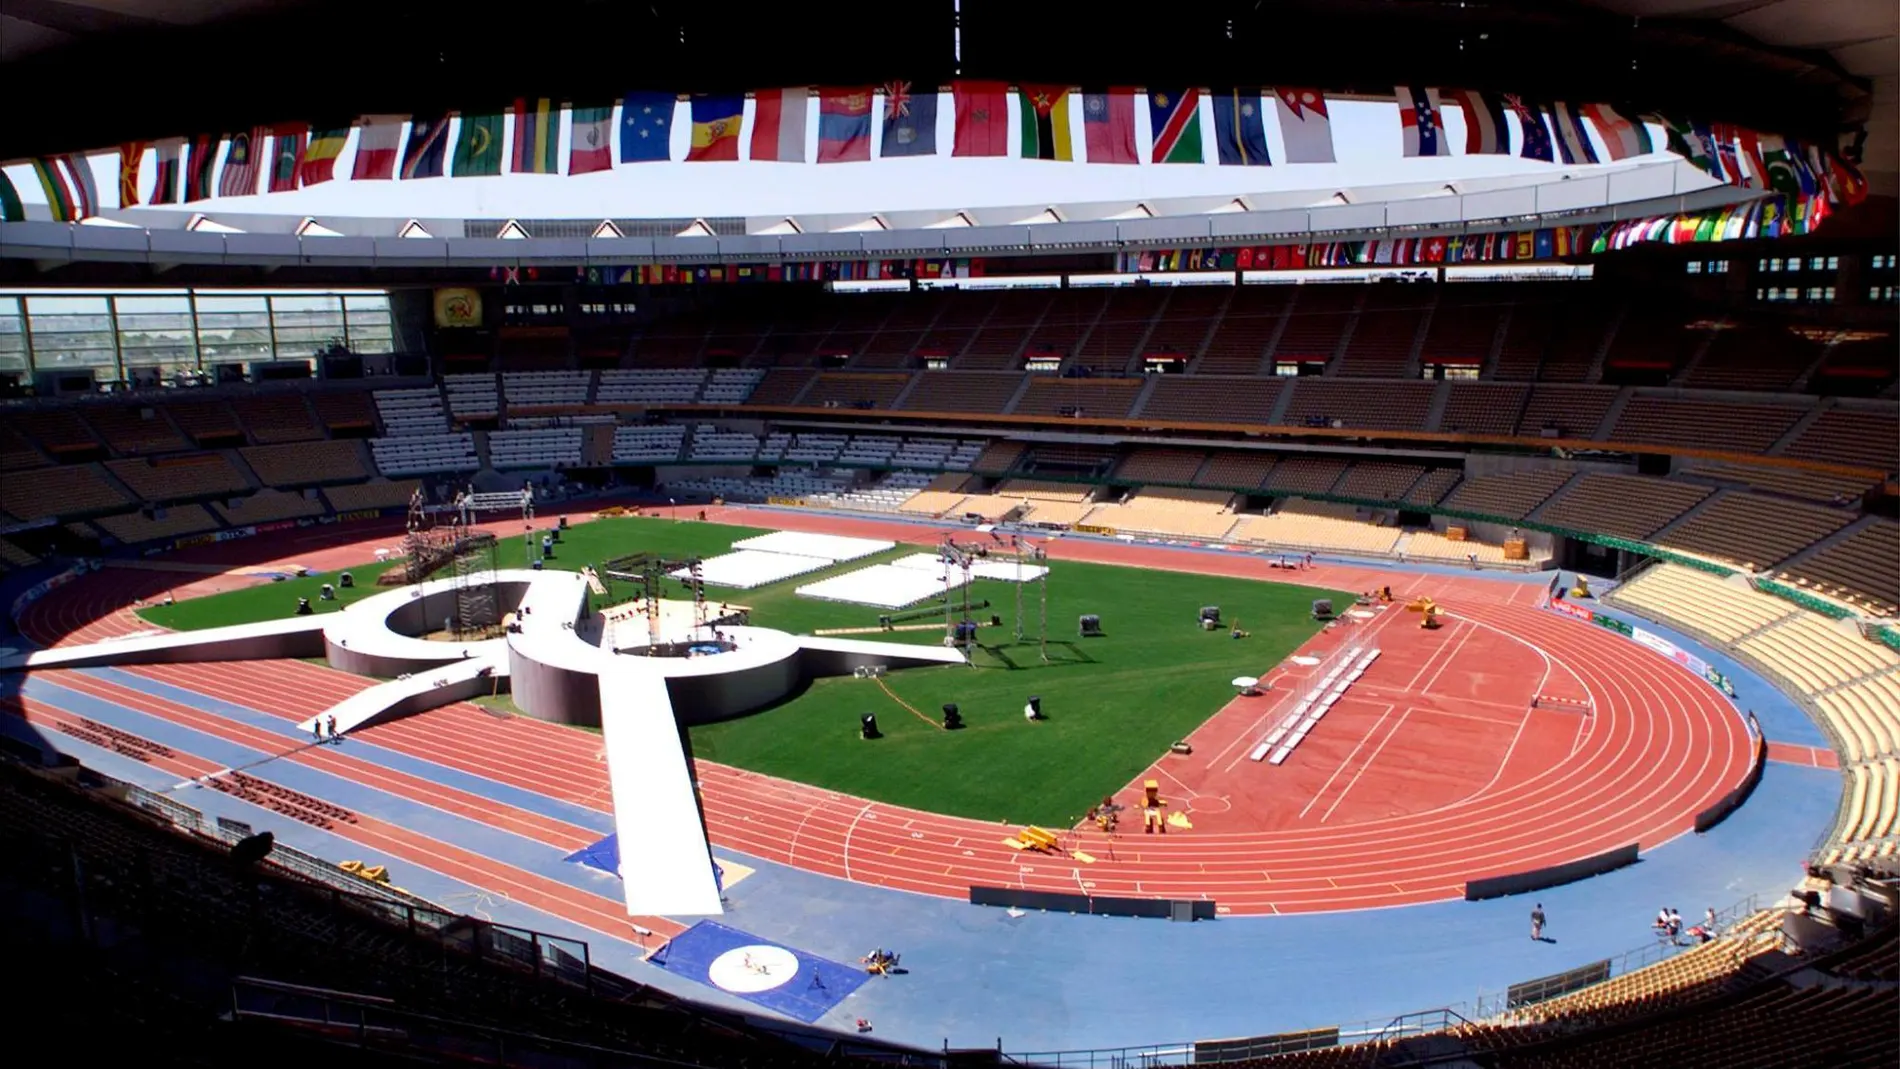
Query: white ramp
x,y
291,636
453,682
666,868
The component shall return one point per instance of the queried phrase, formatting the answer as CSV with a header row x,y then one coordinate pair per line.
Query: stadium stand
x,y
375,494
172,521
1068,320
419,454
1311,526
312,463
1482,408
1236,470
997,344
1565,411
1319,402
653,444
344,411
177,478
1746,355
68,490
1464,325
1316,325
1858,436
472,396
267,506
16,452
781,386
1081,398
854,389
1387,331
1629,506
1753,531
1432,487
1169,512
545,389
645,386
1310,475
135,430
209,424
1740,428
1862,569
1377,480
551,447
1128,321
275,417
946,391
1198,399
1192,323
1434,546
1160,466
1511,497
1790,482
1701,602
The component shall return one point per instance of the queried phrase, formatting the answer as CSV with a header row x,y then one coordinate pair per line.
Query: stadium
x,y
972,539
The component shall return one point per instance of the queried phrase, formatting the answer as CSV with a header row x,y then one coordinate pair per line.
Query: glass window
x,y
1718,267
234,329
1827,293
305,325
156,332
71,332
12,335
1774,263
1833,263
371,329
1695,267
1816,263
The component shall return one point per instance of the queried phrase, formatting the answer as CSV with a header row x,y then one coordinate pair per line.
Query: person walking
x,y
316,728
330,721
1537,922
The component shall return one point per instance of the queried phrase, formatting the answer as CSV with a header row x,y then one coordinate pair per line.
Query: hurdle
x,y
1315,695
1563,705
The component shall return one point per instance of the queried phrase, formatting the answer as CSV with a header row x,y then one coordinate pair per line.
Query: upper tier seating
x,y
56,430
206,422
855,389
63,491
305,465
1160,466
545,389
949,454
1387,330
1862,569
997,345
1738,428
1070,317
1239,337
472,396
897,333
1791,482
526,347
1752,531
947,391
1653,337
1377,480
420,454
176,478
1130,314
268,506
16,453
653,444
411,411
781,386
551,447
1373,406
674,342
1570,411
1859,436
1084,398
1629,506
1236,470
1304,475
1483,408
1753,356
1511,496
644,386
709,444
1195,399
1464,326
176,521
343,410
731,386
376,494
1317,322
135,429
276,417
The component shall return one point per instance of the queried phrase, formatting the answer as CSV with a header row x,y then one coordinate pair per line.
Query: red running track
x,y
1659,747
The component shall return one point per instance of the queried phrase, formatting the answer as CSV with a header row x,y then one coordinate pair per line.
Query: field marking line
x,y
1363,739
1389,736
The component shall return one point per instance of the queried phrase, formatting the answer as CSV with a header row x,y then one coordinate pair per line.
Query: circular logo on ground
x,y
749,970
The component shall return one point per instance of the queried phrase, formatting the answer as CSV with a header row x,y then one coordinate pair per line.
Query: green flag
x,y
478,147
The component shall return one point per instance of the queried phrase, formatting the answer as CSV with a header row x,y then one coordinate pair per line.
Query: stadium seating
x,y
1740,428
178,478
134,429
654,444
1565,411
1791,482
888,494
207,423
375,494
1069,319
545,389
1862,569
1323,402
1753,531
1128,320
411,411
1304,475
1196,399
1049,395
170,522
1483,408
1629,506
1464,325
69,490
1168,512
275,417
1511,497
854,389
266,506
1752,356
997,345
731,386
16,452
1433,546
56,430
1236,470
1859,436
1375,480
1227,328
946,391
647,386
1316,324
1387,330
1315,527
1700,602
1432,487
472,396
342,410
552,447
304,465
1160,466
421,454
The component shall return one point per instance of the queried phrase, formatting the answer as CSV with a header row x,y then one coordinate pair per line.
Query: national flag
x,y
1844,181
131,159
1748,143
910,121
1305,126
1623,137
1786,171
1421,122
778,124
1486,133
590,146
1108,125
1693,142
1432,250
716,122
1545,245
428,144
478,144
201,163
1530,125
11,210
1174,117
1240,128
378,141
165,172
242,163
1573,141
537,142
982,127
1045,122
319,159
287,149
1725,151
60,200
844,125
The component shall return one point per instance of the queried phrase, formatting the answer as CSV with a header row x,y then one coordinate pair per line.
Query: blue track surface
x,y
810,993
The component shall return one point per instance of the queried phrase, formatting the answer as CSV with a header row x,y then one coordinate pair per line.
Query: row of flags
x,y
1768,217
800,271
527,138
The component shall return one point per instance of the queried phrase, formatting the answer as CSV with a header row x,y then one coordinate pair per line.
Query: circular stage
x,y
750,970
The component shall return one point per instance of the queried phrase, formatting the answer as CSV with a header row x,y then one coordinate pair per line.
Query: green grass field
x,y
1113,703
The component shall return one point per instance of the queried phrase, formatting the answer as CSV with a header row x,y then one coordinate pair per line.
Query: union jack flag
x,y
896,100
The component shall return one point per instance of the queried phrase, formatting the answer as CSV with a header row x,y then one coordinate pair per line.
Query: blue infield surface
x,y
801,986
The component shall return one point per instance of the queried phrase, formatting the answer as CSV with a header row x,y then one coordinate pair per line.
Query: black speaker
x,y
303,607
250,851
1035,707
952,719
346,580
867,727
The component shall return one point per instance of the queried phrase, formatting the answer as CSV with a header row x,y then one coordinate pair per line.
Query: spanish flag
x,y
716,121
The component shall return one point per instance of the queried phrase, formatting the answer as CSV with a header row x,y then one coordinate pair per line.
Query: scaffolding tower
x,y
472,573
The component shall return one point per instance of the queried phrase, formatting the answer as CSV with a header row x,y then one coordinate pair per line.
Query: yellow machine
x,y
1427,610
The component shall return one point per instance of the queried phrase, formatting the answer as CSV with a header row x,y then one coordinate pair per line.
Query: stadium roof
x,y
1799,66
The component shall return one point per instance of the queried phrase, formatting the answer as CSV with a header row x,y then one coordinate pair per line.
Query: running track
x,y
1660,747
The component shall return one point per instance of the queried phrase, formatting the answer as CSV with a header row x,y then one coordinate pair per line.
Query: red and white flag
x,y
591,147
1305,127
1621,136
242,162
778,124
378,143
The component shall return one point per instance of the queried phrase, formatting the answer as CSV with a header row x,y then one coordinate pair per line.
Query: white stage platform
x,y
663,848
799,544
747,568
883,586
1002,571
